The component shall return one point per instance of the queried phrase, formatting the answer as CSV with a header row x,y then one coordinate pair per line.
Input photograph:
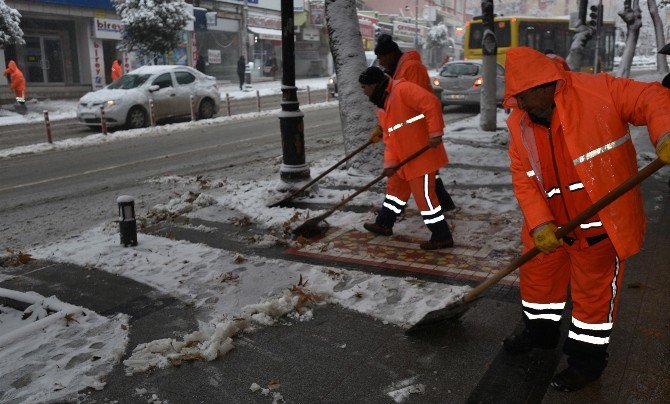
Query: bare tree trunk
x,y
582,36
661,60
356,112
488,111
632,16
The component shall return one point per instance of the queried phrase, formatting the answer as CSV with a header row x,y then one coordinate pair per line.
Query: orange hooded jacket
x,y
594,112
411,68
18,82
117,71
411,115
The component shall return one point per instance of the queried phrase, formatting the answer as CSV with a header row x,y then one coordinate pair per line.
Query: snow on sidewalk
x,y
52,350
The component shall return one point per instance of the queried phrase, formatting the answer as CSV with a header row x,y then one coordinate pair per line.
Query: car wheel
x,y
206,109
137,118
93,128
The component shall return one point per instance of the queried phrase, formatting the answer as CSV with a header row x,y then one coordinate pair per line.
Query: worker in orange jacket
x,y
411,118
16,82
408,66
570,146
117,70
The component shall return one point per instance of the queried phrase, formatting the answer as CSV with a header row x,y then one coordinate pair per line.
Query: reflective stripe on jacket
x,y
594,112
411,115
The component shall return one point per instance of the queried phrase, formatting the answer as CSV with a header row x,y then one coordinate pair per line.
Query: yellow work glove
x,y
663,150
545,239
377,134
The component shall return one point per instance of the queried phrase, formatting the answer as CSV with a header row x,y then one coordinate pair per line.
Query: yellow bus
x,y
539,33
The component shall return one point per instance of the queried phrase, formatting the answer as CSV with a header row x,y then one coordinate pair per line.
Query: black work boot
x,y
542,334
571,379
440,238
443,196
383,224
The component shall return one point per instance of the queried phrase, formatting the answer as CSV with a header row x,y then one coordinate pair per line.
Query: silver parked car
x,y
461,82
126,100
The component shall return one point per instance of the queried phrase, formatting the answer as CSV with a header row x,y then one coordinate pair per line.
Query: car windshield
x,y
460,69
129,81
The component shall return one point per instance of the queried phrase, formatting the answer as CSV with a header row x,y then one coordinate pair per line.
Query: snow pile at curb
x,y
70,349
234,293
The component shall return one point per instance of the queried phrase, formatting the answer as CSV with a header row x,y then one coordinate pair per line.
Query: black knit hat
x,y
372,75
386,45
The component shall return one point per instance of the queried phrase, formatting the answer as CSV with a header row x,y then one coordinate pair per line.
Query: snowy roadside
x,y
67,108
237,293
159,130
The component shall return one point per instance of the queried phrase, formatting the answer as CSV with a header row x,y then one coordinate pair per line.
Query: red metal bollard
x,y
103,120
228,103
258,101
192,108
309,96
48,125
152,112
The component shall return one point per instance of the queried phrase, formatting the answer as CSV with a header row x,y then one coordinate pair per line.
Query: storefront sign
x,y
106,4
105,28
97,63
264,21
214,56
316,13
311,35
366,27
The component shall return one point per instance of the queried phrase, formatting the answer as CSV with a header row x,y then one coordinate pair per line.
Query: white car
x,y
126,100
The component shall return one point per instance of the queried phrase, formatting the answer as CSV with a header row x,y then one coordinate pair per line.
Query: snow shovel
x,y
310,228
456,309
283,203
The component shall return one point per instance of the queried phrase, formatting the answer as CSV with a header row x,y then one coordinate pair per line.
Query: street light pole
x,y
245,31
416,24
293,168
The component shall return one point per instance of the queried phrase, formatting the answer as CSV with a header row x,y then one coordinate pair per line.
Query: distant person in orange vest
x,y
410,117
16,82
117,70
408,66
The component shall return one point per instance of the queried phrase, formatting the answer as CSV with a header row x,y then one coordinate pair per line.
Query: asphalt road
x,y
45,196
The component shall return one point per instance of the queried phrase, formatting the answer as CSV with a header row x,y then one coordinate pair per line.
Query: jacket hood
x,y
526,68
11,66
410,55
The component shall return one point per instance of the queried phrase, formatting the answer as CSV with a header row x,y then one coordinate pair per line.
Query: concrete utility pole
x,y
487,103
293,168
416,24
245,31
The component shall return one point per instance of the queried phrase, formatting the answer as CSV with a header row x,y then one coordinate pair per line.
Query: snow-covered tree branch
x,y
10,33
152,26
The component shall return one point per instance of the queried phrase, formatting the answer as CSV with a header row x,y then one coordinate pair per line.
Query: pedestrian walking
x,y
117,70
200,64
408,66
241,67
569,146
18,84
410,118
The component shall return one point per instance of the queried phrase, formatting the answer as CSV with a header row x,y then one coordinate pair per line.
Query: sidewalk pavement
x,y
343,356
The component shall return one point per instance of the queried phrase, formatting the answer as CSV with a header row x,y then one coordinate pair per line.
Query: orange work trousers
x,y
594,275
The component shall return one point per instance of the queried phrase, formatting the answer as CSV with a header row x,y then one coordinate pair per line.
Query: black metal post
x,y
293,168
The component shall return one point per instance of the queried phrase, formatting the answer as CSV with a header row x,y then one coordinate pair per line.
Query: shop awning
x,y
266,33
